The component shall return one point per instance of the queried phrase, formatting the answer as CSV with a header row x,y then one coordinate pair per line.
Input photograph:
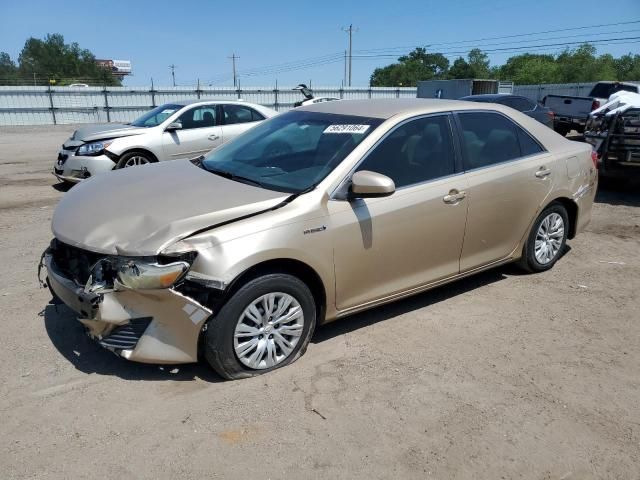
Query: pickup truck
x,y
571,112
613,131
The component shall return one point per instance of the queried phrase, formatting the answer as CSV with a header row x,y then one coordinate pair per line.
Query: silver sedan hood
x,y
99,132
142,210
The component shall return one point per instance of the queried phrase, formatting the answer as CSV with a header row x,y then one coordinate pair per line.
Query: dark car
x,y
522,104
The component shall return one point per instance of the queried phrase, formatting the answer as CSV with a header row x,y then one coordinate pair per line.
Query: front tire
x,y
265,325
547,239
135,158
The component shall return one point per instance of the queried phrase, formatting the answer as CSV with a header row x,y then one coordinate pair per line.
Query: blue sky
x,y
198,36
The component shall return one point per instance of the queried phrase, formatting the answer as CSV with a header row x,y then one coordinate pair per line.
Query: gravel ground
x,y
502,375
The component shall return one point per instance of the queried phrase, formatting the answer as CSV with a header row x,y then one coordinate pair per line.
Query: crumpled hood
x,y
99,132
142,210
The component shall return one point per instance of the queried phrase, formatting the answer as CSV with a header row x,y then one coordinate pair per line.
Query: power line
x,y
509,36
335,57
274,69
292,63
495,50
340,56
515,41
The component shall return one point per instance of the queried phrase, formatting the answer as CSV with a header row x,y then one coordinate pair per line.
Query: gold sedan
x,y
313,215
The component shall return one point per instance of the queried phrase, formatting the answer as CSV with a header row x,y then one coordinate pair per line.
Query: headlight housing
x,y
93,148
141,275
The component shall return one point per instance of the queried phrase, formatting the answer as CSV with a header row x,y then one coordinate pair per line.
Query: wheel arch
x,y
146,151
296,268
572,211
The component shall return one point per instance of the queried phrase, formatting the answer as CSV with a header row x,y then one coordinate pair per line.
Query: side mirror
x,y
366,184
173,126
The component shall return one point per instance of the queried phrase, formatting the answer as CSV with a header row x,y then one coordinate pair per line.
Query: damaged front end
x,y
145,309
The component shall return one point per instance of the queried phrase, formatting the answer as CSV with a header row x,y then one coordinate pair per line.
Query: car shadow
x,y
69,338
619,191
416,302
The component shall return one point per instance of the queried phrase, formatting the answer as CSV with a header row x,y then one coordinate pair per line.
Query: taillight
x,y
551,114
594,157
595,104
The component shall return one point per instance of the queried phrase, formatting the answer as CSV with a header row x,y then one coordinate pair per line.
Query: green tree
x,y
410,69
8,69
475,66
579,65
529,68
479,63
52,59
460,69
627,67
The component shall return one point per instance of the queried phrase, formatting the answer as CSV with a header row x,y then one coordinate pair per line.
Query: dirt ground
x,y
499,376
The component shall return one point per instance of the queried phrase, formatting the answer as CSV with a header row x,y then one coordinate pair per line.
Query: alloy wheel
x,y
136,160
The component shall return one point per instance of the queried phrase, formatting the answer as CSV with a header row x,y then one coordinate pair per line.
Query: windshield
x,y
155,117
605,90
291,152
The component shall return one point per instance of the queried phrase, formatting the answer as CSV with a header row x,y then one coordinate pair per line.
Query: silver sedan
x,y
178,130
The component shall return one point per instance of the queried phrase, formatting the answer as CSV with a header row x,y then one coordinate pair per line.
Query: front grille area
x,y
75,263
126,337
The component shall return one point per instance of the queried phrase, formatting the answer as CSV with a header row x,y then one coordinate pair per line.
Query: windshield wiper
x,y
237,178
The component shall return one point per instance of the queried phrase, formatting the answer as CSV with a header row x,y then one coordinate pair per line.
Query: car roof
x,y
388,107
490,96
616,82
184,103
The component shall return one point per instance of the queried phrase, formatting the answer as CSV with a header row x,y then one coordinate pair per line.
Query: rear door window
x,y
490,138
240,114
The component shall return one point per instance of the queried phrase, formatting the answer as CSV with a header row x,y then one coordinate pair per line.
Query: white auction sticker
x,y
358,129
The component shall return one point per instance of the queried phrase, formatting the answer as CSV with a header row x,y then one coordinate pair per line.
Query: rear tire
x,y
250,336
562,130
135,158
547,239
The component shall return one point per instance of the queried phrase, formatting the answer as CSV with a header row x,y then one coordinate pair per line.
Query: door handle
x,y
543,172
213,137
454,196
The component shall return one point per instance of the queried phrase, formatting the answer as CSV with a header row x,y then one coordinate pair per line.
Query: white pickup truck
x,y
571,112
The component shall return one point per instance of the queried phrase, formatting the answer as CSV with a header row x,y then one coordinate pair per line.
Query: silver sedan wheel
x,y
549,238
268,330
136,160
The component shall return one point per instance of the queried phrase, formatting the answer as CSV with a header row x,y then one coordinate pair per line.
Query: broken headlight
x,y
137,274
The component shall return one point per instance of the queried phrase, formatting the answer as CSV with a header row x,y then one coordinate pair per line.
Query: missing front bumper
x,y
150,326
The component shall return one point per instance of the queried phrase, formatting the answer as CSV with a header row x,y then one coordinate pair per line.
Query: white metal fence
x,y
60,105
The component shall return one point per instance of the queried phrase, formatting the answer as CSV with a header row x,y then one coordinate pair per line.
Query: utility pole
x,y
233,66
350,31
173,73
344,82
